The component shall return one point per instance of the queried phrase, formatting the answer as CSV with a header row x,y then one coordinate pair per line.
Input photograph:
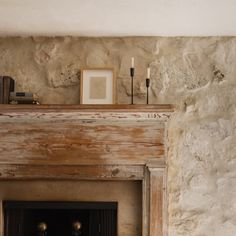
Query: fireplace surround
x,y
93,143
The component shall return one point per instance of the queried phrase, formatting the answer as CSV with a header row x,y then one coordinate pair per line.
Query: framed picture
x,y
97,86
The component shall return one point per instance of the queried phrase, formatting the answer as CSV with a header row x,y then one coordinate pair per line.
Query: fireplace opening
x,y
31,218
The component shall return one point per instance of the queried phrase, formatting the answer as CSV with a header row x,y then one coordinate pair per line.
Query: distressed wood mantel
x,y
90,142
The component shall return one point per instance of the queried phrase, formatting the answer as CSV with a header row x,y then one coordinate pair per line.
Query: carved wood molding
x,y
120,113
71,172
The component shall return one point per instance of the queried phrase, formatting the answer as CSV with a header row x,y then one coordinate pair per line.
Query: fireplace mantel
x,y
90,142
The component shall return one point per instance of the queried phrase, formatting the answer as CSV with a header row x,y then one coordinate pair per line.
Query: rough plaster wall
x,y
128,194
198,75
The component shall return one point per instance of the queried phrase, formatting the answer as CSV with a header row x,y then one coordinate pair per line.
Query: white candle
x,y
148,73
132,62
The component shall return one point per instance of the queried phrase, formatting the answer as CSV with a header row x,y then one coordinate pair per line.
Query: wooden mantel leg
x,y
155,209
146,203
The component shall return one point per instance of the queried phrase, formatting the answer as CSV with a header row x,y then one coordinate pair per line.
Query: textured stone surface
x,y
198,75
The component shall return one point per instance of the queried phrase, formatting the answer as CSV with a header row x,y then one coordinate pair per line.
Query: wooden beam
x,y
71,172
157,202
58,138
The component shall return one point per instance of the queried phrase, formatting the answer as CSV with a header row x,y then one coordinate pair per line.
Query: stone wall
x,y
198,75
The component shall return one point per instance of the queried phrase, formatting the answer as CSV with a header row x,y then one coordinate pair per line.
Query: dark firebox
x,y
24,218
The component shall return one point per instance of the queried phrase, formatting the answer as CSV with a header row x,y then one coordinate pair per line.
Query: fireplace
x,y
127,195
27,218
97,145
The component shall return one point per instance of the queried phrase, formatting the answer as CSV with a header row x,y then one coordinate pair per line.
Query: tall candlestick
x,y
132,80
132,62
148,72
132,84
147,85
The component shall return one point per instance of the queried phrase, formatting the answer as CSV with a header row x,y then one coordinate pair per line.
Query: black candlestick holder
x,y
147,85
132,84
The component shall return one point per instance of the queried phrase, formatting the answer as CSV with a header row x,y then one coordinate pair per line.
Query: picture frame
x,y
97,86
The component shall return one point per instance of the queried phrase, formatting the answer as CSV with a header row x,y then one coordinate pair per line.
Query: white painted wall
x,y
118,17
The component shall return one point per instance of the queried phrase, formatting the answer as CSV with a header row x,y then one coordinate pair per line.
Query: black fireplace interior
x,y
29,218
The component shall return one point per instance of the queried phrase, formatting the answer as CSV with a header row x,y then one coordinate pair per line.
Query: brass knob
x,y
42,227
77,225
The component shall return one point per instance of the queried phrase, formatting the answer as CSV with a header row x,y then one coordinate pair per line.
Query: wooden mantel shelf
x,y
64,108
37,113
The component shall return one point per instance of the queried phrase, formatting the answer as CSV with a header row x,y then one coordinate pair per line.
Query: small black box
x,y
7,85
